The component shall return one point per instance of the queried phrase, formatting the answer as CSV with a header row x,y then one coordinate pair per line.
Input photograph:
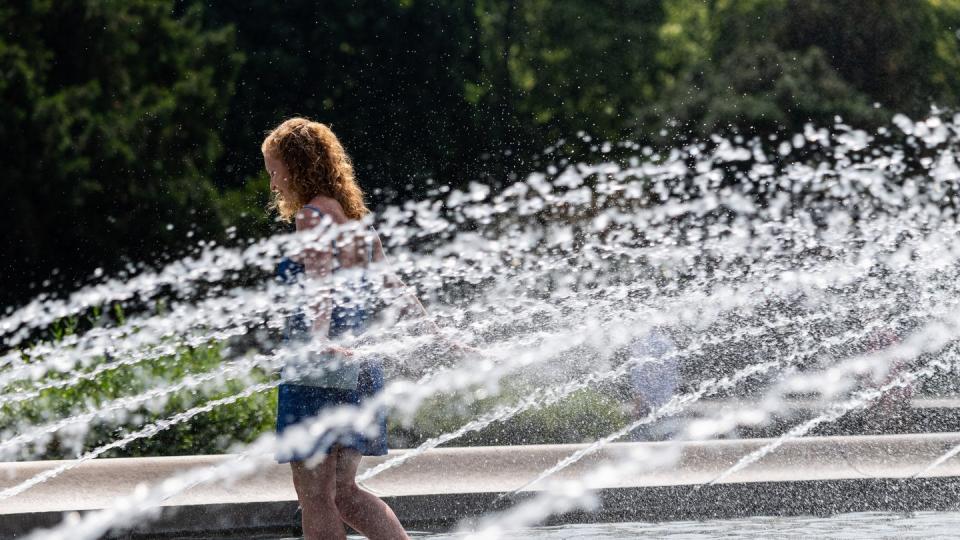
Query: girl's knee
x,y
346,496
314,486
316,496
322,502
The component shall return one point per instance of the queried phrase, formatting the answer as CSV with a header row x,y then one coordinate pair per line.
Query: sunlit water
x,y
865,526
860,526
824,267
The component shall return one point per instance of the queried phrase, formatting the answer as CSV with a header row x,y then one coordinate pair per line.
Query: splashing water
x,y
827,270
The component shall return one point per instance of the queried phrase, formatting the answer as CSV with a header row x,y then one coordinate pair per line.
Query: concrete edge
x,y
766,492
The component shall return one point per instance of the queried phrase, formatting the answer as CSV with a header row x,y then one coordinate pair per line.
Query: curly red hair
x,y
318,165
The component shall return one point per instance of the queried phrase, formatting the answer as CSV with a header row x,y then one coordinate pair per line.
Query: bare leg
x,y
361,509
316,490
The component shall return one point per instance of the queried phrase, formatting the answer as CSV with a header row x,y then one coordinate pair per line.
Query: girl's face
x,y
279,176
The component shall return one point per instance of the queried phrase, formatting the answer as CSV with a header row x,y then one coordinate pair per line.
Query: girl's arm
x,y
318,264
412,306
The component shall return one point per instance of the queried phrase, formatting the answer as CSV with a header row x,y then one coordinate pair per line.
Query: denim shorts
x,y
297,402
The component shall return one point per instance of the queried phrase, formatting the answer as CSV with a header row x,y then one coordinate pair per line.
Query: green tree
x,y
902,54
119,114
762,66
553,68
109,132
759,90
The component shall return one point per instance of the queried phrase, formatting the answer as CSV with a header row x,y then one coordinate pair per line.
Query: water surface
x,y
865,525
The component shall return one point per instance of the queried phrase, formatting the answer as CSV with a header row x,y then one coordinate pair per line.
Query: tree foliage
x,y
762,66
122,118
109,133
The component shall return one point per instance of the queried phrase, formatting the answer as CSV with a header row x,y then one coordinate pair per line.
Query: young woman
x,y
313,184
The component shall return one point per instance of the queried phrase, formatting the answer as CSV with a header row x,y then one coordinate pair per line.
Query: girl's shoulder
x,y
314,211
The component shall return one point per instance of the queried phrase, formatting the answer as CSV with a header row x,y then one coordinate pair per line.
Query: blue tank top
x,y
352,316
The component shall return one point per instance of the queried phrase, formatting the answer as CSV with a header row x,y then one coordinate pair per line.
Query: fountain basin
x,y
807,476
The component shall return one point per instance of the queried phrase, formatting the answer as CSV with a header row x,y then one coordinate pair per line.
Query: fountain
x,y
821,269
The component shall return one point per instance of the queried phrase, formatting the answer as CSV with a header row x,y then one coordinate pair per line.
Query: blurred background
x,y
130,136
130,129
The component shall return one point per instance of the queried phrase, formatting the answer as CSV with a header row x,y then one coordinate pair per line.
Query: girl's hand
x,y
336,349
453,344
